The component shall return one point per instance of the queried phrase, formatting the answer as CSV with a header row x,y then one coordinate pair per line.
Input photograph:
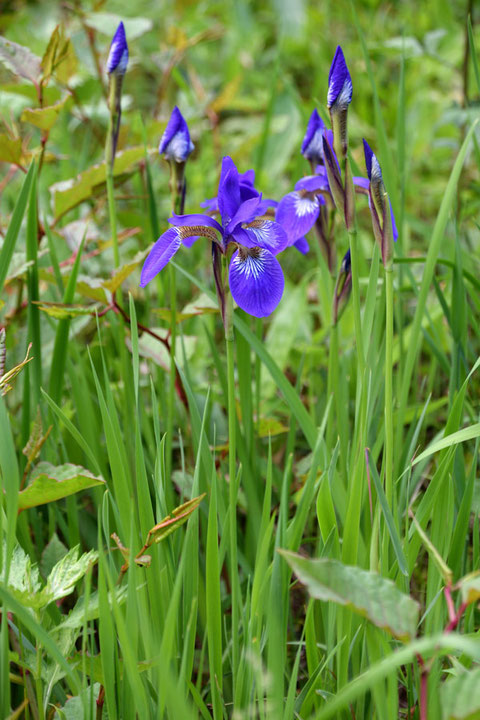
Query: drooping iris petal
x,y
228,190
245,213
265,204
394,224
361,182
302,245
297,213
118,56
256,281
161,253
211,205
312,147
263,234
195,219
339,82
175,143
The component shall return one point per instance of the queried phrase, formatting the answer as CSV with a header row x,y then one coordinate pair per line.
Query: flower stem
x,y
178,204
114,97
389,386
232,472
352,234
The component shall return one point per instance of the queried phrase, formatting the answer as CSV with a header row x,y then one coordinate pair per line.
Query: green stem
x,y
352,234
389,387
112,216
232,472
178,204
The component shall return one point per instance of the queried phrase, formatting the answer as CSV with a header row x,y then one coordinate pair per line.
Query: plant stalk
x,y
352,234
389,386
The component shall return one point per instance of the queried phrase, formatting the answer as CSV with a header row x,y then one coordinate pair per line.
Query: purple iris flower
x,y
312,145
339,82
247,191
118,56
175,143
255,276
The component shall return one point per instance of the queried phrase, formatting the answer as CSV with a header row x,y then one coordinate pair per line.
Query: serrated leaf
x,y
61,311
366,593
49,483
46,117
67,572
113,283
470,587
70,193
10,149
24,579
20,60
460,696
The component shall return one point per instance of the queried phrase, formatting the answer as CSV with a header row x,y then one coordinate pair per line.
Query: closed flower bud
x,y
338,99
312,145
175,143
118,56
383,221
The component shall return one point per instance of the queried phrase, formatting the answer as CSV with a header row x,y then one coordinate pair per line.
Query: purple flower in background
x,y
118,56
339,82
383,220
255,276
175,143
312,145
247,191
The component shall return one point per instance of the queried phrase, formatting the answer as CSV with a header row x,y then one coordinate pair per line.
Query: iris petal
x,y
161,253
302,245
247,212
228,190
195,219
264,234
297,213
313,183
256,281
175,143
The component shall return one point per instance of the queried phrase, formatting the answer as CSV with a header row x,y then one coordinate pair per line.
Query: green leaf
x,y
54,551
61,311
76,708
67,572
121,273
10,149
173,521
49,483
46,117
24,579
20,60
14,226
81,614
468,433
70,193
366,593
460,696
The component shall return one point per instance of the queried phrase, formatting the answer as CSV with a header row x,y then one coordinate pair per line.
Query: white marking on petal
x,y
344,97
179,147
314,148
251,265
304,205
376,171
